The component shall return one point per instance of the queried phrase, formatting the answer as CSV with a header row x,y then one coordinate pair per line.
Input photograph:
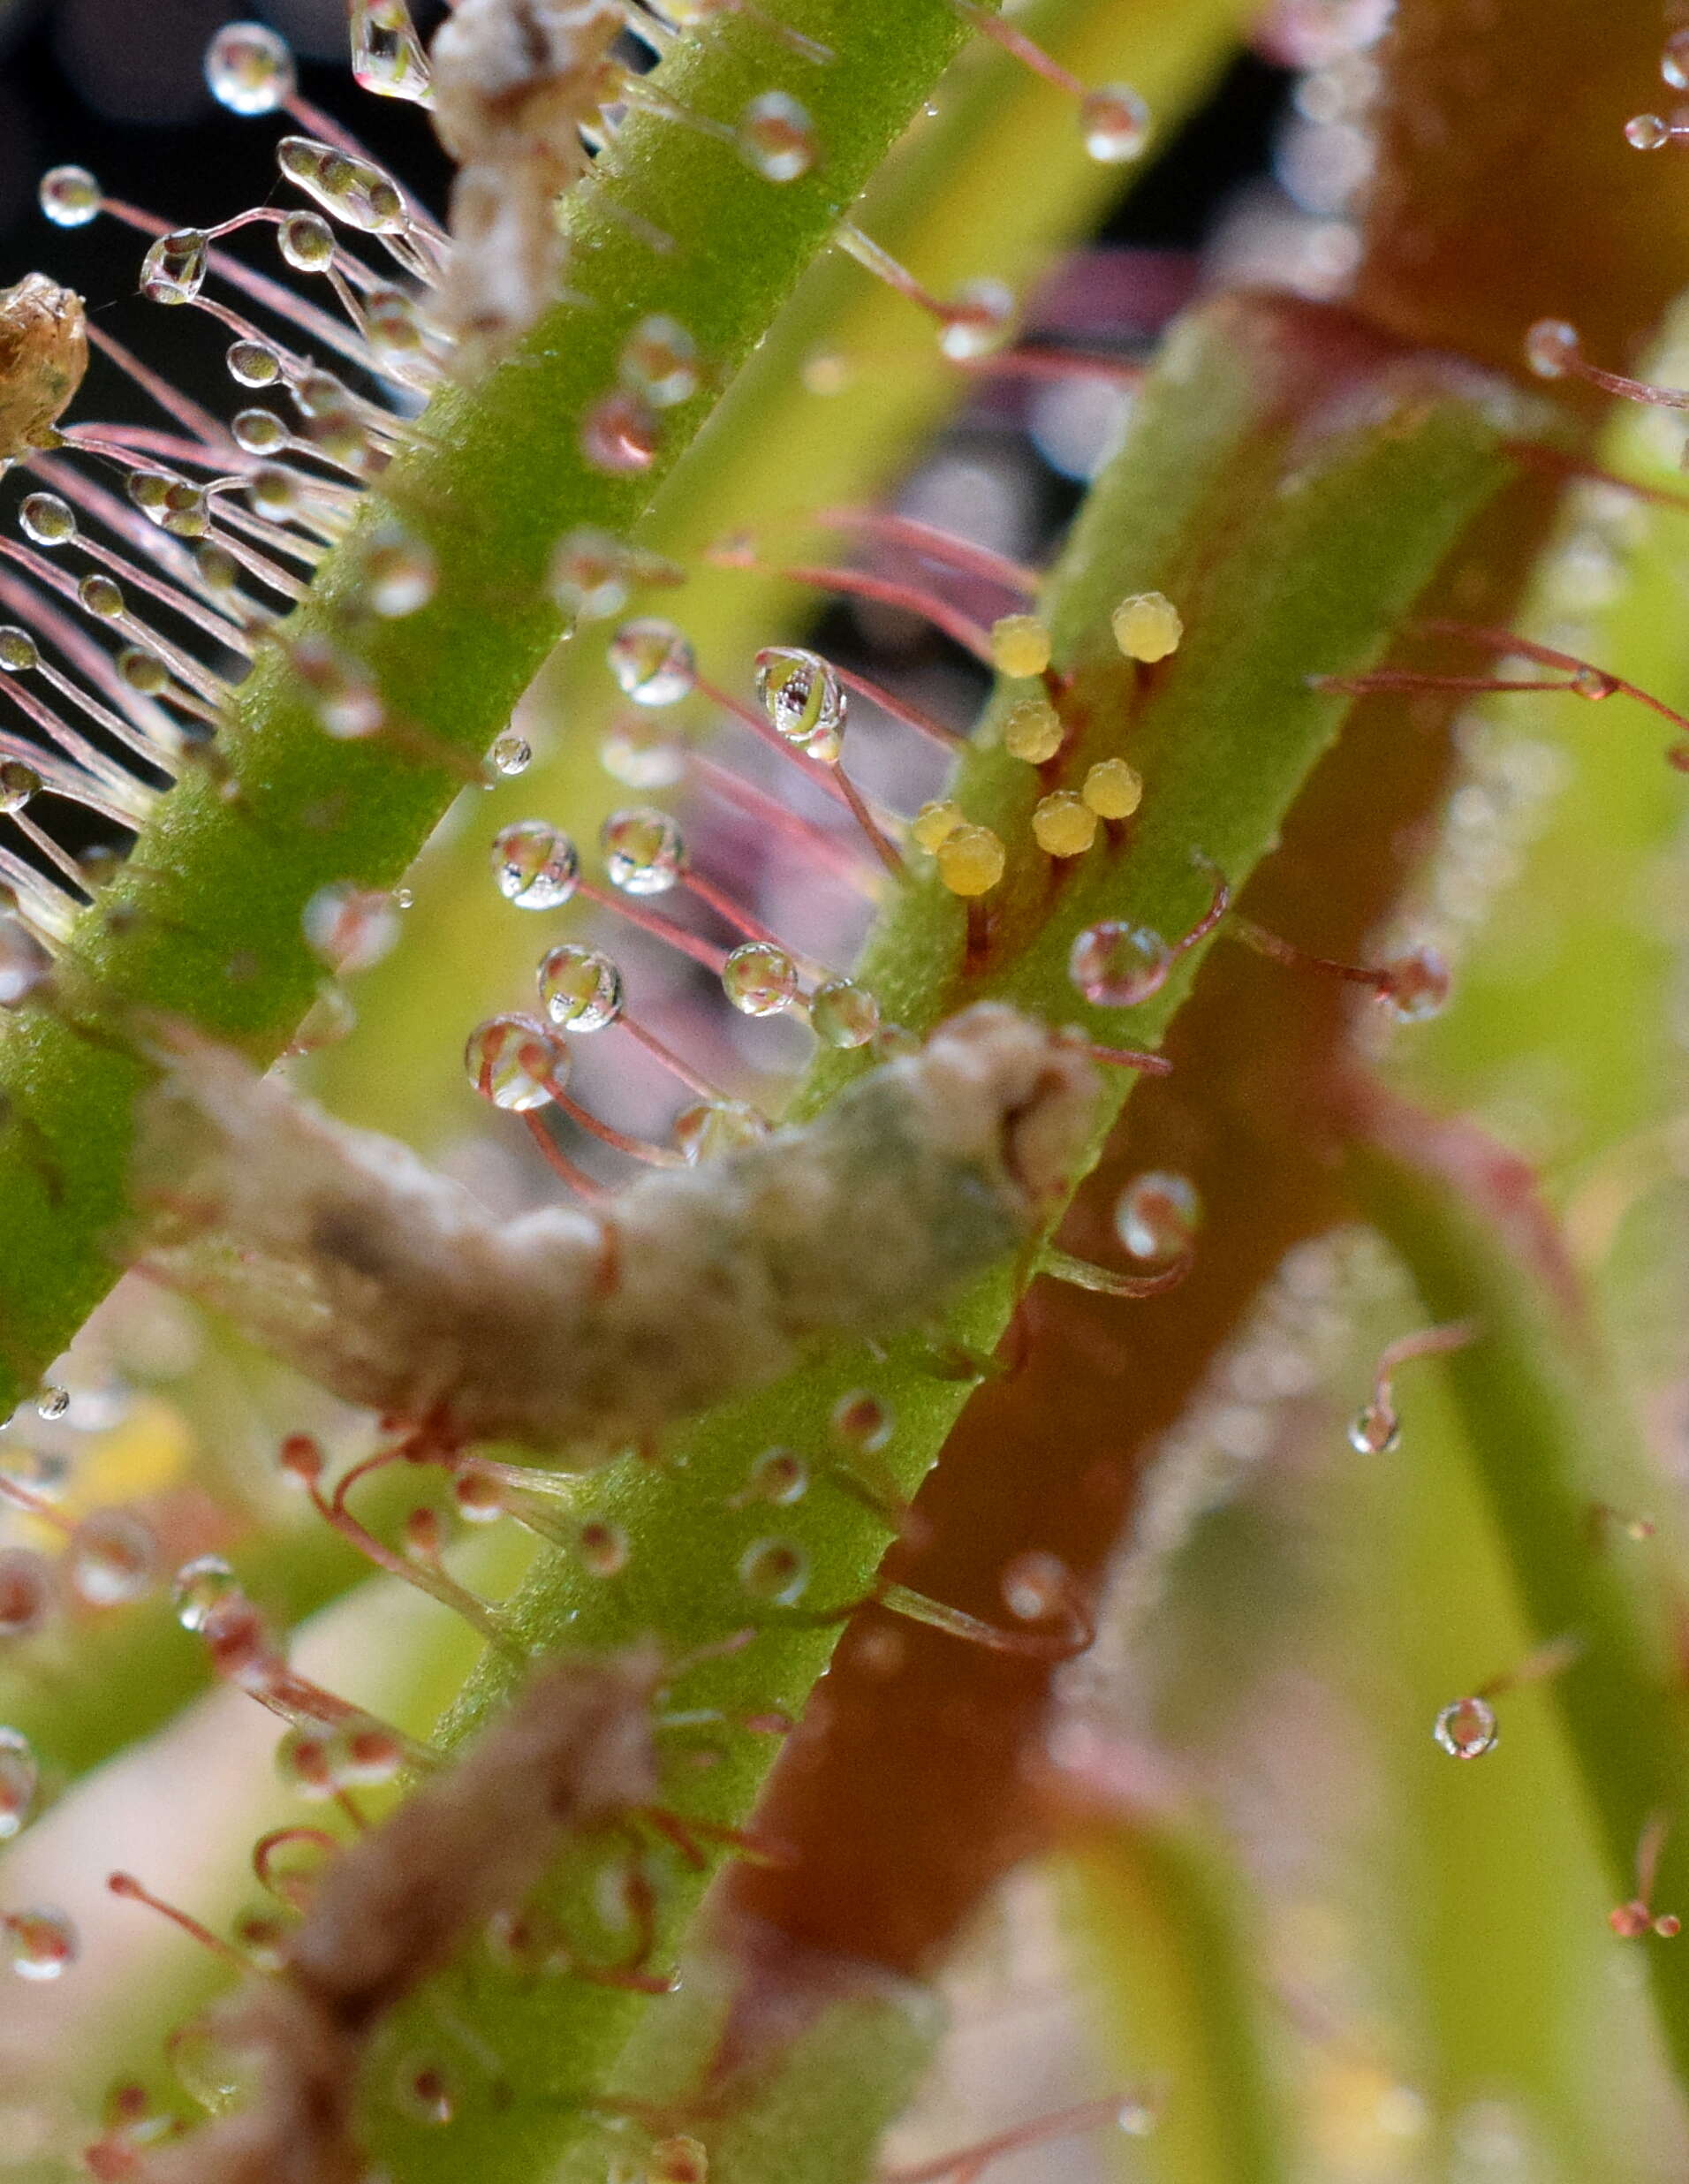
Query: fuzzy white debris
x,y
576,1749
344,1253
44,356
514,82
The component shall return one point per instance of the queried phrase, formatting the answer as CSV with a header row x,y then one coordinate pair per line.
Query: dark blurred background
x,y
117,86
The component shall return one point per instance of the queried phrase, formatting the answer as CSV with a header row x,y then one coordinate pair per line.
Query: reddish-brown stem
x,y
584,1186
131,1889
1047,364
677,1064
927,540
704,951
911,715
832,778
967,2163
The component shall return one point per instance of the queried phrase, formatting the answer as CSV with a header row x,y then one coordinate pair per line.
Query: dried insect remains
x,y
576,1750
585,1331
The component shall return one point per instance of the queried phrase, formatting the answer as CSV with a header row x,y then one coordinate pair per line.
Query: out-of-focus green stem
x,y
995,184
205,919
1561,1473
1154,1920
1293,488
1560,1028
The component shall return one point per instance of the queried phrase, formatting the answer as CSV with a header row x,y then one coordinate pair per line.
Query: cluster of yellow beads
x,y
1033,731
970,860
1062,824
933,821
1020,645
1148,626
1113,790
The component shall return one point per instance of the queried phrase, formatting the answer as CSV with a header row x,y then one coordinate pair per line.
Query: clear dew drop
x,y
53,1401
20,1778
306,241
776,137
644,852
641,754
349,928
423,2093
1551,348
113,1558
200,1586
1467,1728
712,1128
1646,132
249,69
258,431
619,434
1115,121
351,190
843,1013
210,2069
511,754
46,519
515,1062
1136,2117
778,1475
25,1591
580,988
363,1754
863,1422
804,698
331,1017
1036,1586
174,269
773,1570
1674,60
1419,988
651,662
603,1547
18,783
659,360
101,597
69,196
1157,1215
978,318
401,574
143,672
760,980
17,650
26,968
302,1764
535,865
387,58
42,1944
251,364
1375,1430
1115,966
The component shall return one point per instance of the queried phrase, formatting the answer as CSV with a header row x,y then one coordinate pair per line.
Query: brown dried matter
x,y
44,356
342,1253
514,82
574,1751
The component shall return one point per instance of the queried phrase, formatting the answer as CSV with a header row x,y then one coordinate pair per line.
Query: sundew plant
x,y
842,1333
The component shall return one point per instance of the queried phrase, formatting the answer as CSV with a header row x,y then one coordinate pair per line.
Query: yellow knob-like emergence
x,y
1064,825
1113,789
934,822
1020,645
971,860
1033,731
1148,626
